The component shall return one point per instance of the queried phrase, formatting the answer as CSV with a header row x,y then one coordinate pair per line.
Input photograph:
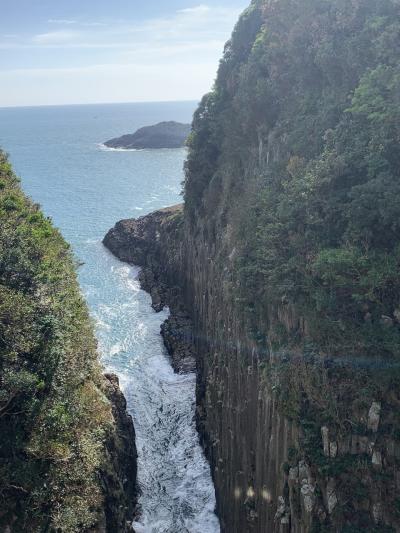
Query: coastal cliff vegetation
x,y
292,206
57,426
296,150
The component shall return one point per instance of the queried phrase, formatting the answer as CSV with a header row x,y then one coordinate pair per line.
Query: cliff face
x,y
298,348
296,442
67,449
287,259
120,471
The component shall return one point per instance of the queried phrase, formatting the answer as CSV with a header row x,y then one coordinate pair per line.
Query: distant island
x,y
163,135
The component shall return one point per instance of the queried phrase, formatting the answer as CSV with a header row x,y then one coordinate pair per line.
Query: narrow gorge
x,y
281,270
271,401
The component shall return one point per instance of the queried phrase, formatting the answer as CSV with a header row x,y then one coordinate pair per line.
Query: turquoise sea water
x,y
85,189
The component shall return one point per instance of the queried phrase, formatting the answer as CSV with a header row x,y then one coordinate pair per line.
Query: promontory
x,y
163,135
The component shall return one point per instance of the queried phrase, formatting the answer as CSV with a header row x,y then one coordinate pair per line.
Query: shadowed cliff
x,y
288,265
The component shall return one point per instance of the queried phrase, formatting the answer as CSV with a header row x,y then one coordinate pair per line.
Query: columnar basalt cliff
x,y
286,257
296,442
67,448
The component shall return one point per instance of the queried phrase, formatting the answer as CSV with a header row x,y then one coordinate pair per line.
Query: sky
x,y
55,52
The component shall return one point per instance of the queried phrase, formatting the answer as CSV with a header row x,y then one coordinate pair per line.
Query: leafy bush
x,y
54,417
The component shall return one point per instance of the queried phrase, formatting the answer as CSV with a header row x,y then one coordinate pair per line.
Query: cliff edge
x,y
67,446
119,478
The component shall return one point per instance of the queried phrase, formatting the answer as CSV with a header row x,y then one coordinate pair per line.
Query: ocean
x,y
85,188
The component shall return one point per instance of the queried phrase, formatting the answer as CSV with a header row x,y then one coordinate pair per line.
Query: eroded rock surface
x,y
119,476
153,242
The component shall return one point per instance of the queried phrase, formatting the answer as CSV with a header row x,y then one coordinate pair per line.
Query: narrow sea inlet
x,y
85,190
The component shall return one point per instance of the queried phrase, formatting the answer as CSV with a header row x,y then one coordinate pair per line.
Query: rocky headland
x,y
163,135
142,242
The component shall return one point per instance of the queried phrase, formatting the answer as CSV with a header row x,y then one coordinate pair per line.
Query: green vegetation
x,y
54,416
297,149
292,193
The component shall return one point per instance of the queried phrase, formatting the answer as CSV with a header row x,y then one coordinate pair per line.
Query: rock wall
x,y
120,472
296,443
297,406
285,262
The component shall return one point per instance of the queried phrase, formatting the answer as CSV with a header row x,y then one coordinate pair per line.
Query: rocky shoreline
x,y
164,135
290,472
142,242
119,477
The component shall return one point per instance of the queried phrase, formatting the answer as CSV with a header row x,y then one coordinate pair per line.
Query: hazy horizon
x,y
191,100
66,53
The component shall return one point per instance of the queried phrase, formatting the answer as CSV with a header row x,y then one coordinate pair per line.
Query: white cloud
x,y
191,25
55,37
68,22
93,24
202,8
61,21
170,58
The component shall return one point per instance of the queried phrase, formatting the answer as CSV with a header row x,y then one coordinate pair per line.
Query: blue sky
x,y
88,51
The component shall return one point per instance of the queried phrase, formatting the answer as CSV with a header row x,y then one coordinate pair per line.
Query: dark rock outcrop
x,y
178,339
119,474
154,243
163,135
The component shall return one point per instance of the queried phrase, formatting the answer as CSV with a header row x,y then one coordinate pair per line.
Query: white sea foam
x,y
116,349
92,241
128,276
177,494
105,148
86,194
100,324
